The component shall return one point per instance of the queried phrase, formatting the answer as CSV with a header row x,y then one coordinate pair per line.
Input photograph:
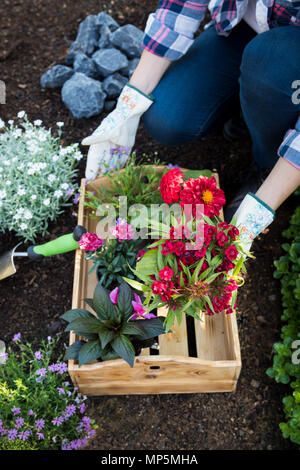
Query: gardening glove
x,y
251,218
118,129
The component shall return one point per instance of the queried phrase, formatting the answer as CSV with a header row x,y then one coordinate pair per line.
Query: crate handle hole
x,y
154,367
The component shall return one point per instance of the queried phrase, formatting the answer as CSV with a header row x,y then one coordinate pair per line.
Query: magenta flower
x,y
90,242
114,295
139,310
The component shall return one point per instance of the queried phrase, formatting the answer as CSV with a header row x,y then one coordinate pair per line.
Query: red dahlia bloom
x,y
170,185
204,191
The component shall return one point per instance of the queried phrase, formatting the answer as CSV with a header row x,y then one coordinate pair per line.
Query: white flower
x,y
17,133
33,197
27,214
63,151
37,122
64,186
55,158
46,202
78,156
42,165
60,124
31,171
21,191
8,183
10,122
3,194
6,162
58,193
23,226
2,124
51,178
21,114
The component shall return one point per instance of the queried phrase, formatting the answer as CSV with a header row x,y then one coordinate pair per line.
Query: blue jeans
x,y
203,89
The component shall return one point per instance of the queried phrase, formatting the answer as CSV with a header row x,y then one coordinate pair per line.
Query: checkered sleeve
x,y
290,147
170,30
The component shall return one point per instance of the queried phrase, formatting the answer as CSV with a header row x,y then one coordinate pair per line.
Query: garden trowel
x,y
62,244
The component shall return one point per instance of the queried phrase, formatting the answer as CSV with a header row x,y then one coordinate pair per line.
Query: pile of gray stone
x,y
99,63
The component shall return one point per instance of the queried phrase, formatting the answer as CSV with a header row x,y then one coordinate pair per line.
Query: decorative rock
x,y
114,84
109,106
104,41
83,96
88,34
109,61
128,39
56,76
74,49
103,19
132,65
86,65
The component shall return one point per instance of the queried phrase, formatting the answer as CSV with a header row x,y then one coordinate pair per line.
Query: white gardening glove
x,y
251,218
118,129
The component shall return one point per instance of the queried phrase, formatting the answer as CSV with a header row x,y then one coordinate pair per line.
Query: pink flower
x,y
90,242
139,310
123,230
231,252
114,295
166,273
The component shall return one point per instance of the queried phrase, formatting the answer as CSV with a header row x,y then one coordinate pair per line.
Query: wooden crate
x,y
215,369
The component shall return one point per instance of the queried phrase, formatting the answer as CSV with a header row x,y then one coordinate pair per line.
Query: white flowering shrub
x,y
36,176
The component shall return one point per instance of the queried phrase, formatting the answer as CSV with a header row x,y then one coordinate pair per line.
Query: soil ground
x,y
35,35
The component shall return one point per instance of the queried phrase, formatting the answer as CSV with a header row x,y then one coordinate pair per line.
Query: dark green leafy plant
x,y
114,260
285,368
111,333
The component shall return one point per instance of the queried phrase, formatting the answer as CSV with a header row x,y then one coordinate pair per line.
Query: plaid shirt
x,y
170,32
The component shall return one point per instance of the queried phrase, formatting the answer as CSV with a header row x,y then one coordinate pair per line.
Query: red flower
x,y
170,185
156,287
140,254
233,232
204,191
222,238
201,253
166,273
179,248
231,252
90,242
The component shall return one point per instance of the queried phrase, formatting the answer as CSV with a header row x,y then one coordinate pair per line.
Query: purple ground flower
x,y
40,435
30,413
61,391
76,198
39,424
12,434
3,356
24,435
62,367
58,421
41,372
16,411
70,410
19,422
17,337
38,355
82,408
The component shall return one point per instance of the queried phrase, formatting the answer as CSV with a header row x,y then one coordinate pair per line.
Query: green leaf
x,y
148,264
84,326
90,303
206,297
135,284
150,328
124,348
106,336
169,320
125,299
103,305
160,263
72,351
89,351
71,315
197,173
132,329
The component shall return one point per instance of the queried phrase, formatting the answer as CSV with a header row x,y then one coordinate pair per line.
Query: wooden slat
x,y
174,343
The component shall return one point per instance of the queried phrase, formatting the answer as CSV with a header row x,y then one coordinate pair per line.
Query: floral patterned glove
x,y
252,217
118,129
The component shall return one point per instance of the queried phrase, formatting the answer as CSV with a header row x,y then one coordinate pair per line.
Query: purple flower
x,y
40,435
58,421
17,337
69,192
41,372
82,408
76,198
53,367
170,165
61,390
70,410
39,424
12,434
16,411
139,310
24,435
30,412
62,367
114,295
38,355
3,356
19,422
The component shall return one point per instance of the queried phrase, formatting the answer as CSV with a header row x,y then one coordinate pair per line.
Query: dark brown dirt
x,y
34,35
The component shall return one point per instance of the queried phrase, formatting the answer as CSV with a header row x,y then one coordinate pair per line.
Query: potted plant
x,y
120,328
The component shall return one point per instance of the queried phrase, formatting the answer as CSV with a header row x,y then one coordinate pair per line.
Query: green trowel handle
x,y
62,244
